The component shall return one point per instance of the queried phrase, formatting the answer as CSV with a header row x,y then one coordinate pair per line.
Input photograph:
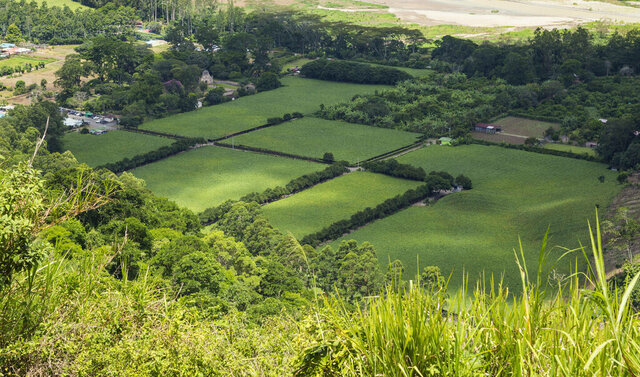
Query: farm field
x,y
96,150
21,60
313,209
571,148
524,127
312,137
415,72
297,94
499,137
296,63
515,194
207,176
73,5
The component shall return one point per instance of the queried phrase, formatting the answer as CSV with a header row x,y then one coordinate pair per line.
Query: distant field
x,y
296,63
515,194
571,148
524,127
207,176
499,137
21,60
311,210
297,94
61,3
96,150
415,72
312,137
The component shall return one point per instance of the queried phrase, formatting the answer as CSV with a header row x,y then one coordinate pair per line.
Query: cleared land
x,y
207,176
73,5
21,60
493,13
96,150
311,210
571,148
515,194
524,127
312,137
297,94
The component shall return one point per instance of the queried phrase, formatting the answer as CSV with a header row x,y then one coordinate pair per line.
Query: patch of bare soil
x,y
518,13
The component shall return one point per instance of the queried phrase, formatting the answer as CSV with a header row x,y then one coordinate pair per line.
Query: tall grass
x,y
553,327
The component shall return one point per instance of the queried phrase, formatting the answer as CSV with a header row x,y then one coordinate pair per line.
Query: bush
x,y
464,182
328,157
393,168
268,81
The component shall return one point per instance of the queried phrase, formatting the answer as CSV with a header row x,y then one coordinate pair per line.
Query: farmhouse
x,y
206,78
487,128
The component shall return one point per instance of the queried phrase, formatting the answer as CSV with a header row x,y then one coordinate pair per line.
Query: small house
x,y
206,77
487,128
445,141
591,144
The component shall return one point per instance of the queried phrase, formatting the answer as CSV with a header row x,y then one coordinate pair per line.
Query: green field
x,y
207,176
296,63
571,148
515,194
73,5
297,94
524,127
415,72
96,150
312,137
21,60
311,210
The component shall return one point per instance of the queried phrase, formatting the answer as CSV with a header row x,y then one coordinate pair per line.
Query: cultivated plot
x,y
312,137
96,150
297,95
515,194
571,149
311,210
207,176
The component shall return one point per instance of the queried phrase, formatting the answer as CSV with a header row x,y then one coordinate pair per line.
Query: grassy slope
x,y
95,150
313,137
297,94
207,176
311,210
515,194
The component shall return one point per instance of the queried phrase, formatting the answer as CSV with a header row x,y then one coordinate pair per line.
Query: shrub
x,y
346,71
268,81
464,182
328,157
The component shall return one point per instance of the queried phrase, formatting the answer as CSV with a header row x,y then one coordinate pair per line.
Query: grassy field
x,y
571,148
524,127
515,194
297,94
415,72
73,5
296,63
207,176
96,150
312,137
311,210
21,60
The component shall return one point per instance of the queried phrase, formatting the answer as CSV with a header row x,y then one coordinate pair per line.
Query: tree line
x,y
346,71
149,157
435,181
211,215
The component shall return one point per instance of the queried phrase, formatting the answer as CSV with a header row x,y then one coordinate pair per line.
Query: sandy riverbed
x,y
490,13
